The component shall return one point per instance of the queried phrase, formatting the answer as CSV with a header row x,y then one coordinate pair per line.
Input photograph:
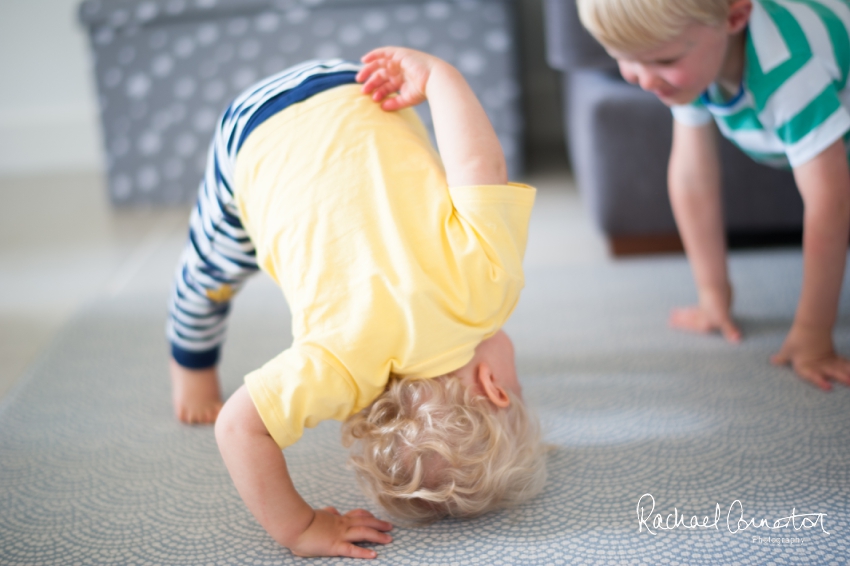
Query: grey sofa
x,y
618,138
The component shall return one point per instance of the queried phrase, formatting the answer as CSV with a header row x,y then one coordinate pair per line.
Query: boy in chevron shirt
x,y
773,76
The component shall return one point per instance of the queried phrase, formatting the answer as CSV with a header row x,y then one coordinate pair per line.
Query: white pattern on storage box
x,y
166,69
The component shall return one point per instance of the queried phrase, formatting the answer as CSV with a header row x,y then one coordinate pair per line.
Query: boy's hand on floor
x,y
395,69
813,358
333,534
710,315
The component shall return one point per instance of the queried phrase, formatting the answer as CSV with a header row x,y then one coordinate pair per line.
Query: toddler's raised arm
x,y
468,145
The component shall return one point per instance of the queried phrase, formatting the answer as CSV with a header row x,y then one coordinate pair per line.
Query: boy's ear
x,y
739,15
487,380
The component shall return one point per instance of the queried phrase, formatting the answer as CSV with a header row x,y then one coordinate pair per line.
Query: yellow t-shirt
x,y
385,268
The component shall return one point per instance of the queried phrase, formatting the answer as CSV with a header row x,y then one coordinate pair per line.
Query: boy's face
x,y
679,71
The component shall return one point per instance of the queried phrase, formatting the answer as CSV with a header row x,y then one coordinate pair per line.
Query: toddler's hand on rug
x,y
333,534
812,355
710,315
396,69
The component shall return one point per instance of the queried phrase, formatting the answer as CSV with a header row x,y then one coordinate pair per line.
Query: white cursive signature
x,y
735,520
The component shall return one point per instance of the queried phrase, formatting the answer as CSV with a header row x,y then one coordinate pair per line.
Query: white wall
x,y
48,108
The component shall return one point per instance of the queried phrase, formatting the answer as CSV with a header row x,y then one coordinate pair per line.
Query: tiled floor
x,y
62,245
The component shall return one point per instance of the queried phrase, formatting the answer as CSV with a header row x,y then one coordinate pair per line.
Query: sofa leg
x,y
638,244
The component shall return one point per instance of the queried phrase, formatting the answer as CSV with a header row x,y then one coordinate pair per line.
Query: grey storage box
x,y
619,140
166,69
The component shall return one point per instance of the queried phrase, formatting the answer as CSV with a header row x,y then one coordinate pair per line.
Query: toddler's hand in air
x,y
395,69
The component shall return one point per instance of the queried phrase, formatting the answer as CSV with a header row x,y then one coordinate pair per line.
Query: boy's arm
x,y
468,145
695,195
258,469
824,183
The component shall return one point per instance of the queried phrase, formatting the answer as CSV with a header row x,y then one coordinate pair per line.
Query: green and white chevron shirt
x,y
794,101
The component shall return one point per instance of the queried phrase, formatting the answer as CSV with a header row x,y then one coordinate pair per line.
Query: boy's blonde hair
x,y
430,448
633,25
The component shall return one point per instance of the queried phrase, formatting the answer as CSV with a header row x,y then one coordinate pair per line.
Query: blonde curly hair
x,y
634,25
431,448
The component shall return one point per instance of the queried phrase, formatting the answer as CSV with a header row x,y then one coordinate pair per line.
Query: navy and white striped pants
x,y
219,256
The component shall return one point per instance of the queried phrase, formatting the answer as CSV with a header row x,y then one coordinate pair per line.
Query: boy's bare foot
x,y
195,394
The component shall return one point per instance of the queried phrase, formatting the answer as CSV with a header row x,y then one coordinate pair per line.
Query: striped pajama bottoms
x,y
219,255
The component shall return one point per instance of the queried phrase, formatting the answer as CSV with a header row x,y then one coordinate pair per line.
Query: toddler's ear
x,y
487,380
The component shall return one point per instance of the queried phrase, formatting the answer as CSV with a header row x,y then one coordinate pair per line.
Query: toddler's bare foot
x,y
195,393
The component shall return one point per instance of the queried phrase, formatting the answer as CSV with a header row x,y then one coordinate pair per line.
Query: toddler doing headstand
x,y
400,269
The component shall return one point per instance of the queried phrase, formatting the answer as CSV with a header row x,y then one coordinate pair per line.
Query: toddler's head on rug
x,y
458,445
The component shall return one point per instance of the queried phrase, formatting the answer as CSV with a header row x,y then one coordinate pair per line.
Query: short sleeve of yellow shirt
x,y
385,268
300,388
498,217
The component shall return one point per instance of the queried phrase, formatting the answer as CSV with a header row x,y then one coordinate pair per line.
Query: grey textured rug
x,y
94,469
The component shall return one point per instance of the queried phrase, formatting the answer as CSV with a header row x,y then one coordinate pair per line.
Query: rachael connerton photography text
x,y
735,520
